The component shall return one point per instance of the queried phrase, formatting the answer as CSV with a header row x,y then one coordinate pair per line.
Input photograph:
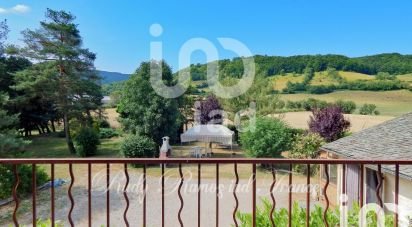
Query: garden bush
x,y
25,174
137,146
347,107
281,217
306,146
106,133
320,89
86,142
368,109
329,123
103,123
270,138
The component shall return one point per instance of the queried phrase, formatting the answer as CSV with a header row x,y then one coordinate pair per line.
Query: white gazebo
x,y
211,133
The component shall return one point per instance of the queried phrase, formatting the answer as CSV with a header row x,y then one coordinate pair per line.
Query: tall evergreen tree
x,y
143,111
58,42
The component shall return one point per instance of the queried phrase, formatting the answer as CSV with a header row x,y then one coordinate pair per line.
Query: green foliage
x,y
320,89
270,137
394,64
25,174
87,141
108,89
64,66
105,133
385,76
137,146
103,123
9,138
368,109
306,146
46,223
309,104
373,85
144,112
347,107
281,218
261,92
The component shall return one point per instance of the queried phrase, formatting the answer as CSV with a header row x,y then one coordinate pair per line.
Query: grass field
x,y
321,78
390,103
358,122
279,82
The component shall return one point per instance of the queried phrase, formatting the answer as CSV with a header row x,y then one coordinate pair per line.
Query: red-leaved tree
x,y
329,123
211,111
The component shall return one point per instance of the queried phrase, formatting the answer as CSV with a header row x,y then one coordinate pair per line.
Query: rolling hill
x,y
110,77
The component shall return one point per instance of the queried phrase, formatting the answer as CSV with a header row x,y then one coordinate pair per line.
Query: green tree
x,y
261,92
58,41
143,111
269,138
9,138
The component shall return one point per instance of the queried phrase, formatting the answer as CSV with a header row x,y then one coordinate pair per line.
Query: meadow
x,y
389,103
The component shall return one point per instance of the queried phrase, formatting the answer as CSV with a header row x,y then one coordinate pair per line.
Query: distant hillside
x,y
393,63
110,77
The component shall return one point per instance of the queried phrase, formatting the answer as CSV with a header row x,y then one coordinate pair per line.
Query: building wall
x,y
405,195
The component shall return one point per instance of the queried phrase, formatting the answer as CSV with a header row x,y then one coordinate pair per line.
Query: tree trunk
x,y
47,128
39,129
68,136
52,125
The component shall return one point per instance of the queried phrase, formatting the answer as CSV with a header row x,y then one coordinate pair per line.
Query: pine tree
x,y
58,42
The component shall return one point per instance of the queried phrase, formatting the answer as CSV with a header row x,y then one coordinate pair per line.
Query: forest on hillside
x,y
393,63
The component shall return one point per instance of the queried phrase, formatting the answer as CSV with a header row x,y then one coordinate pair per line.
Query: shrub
x,y
25,174
329,123
269,138
385,76
320,89
103,123
86,142
106,133
313,104
281,217
347,107
137,146
306,146
368,109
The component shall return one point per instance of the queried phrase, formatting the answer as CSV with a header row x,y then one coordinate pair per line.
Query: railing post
x,y
89,192
396,195
34,191
52,194
217,194
290,197
308,196
343,199
254,196
108,194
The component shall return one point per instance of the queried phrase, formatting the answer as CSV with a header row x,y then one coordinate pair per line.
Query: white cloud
x,y
19,9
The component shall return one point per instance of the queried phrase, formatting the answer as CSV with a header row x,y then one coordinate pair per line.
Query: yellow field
x,y
358,122
390,103
279,82
322,78
406,78
352,76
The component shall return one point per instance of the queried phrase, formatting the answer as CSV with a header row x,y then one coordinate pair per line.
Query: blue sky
x,y
118,31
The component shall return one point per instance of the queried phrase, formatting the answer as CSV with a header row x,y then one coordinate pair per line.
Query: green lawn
x,y
55,147
390,103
